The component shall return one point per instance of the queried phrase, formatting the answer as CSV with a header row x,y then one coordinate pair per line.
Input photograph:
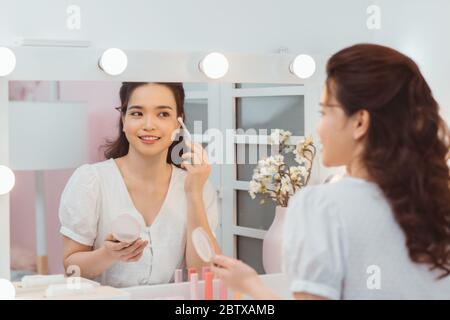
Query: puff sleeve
x,y
314,253
79,206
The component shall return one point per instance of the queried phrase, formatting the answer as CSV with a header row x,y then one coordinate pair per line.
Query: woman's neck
x,y
356,169
154,168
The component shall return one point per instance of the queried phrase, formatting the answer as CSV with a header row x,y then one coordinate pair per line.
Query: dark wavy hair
x,y
407,145
119,147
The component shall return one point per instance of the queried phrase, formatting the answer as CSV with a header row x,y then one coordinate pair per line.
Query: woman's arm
x,y
198,170
197,218
91,262
94,262
241,277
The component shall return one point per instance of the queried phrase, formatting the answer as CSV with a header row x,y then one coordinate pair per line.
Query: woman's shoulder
x,y
314,205
337,198
90,173
96,166
338,191
312,196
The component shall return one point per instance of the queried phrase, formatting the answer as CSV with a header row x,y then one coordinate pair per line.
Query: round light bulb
x,y
7,290
7,180
214,65
113,61
303,66
7,61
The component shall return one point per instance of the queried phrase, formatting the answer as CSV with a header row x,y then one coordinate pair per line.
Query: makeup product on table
x,y
202,244
223,291
237,295
191,271
33,281
178,275
208,277
126,228
205,269
63,290
193,286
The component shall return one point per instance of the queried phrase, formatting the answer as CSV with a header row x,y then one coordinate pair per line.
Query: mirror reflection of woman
x,y
390,217
169,197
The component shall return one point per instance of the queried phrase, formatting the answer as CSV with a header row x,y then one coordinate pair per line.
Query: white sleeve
x,y
211,206
79,206
313,247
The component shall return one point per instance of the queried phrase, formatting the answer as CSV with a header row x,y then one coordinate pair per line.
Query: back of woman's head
x,y
407,144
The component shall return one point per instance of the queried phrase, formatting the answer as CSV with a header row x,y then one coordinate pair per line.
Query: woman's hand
x,y
198,169
123,251
236,275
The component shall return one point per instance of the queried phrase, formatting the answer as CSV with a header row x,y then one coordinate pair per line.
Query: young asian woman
x,y
141,178
389,218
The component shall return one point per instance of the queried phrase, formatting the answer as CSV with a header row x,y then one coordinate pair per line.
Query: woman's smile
x,y
149,139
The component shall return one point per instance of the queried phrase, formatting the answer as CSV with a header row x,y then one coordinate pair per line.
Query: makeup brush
x,y
187,133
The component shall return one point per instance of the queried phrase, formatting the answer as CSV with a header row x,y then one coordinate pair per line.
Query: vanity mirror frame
x,y
81,64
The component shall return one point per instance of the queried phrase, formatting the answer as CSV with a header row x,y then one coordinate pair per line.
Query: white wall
x,y
417,27
229,25
421,29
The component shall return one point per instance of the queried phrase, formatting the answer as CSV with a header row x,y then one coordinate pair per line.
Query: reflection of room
x,y
45,135
203,105
276,98
71,134
276,102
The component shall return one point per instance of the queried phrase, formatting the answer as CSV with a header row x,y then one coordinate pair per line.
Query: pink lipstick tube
x,y
208,277
193,286
223,291
178,275
191,271
204,271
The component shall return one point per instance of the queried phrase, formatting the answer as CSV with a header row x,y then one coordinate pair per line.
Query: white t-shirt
x,y
342,242
96,194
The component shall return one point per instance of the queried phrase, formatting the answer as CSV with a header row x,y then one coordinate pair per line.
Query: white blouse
x,y
96,194
341,241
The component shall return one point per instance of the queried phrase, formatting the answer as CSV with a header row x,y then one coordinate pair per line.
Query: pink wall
x,y
101,97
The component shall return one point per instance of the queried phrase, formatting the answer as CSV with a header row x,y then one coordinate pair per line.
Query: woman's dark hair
x,y
119,147
407,143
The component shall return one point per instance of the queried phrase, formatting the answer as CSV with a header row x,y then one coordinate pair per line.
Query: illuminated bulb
x,y
7,61
303,66
113,61
214,65
7,180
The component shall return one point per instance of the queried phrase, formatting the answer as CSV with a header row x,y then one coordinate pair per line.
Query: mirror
x,y
77,136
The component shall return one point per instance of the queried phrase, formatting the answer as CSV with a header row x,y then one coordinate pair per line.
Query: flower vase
x,y
272,243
